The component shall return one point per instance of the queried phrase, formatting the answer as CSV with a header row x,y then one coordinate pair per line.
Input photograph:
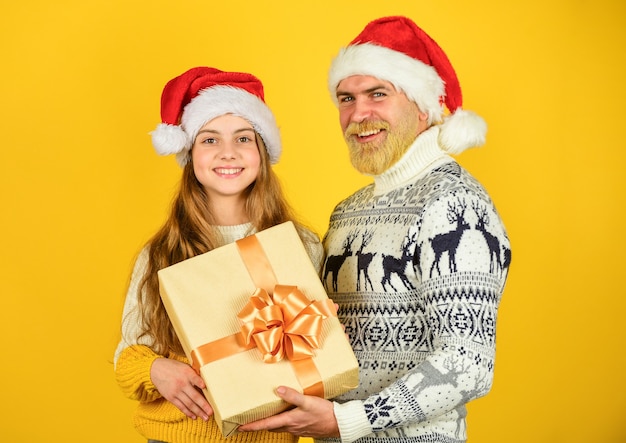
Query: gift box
x,y
253,315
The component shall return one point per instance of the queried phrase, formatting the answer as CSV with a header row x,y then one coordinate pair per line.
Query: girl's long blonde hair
x,y
189,231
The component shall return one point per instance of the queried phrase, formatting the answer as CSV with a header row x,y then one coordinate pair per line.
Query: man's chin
x,y
365,171
369,167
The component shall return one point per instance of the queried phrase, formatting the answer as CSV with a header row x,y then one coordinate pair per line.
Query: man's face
x,y
379,122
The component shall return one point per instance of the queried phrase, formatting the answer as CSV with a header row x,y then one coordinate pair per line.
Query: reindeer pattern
x,y
364,261
334,262
396,252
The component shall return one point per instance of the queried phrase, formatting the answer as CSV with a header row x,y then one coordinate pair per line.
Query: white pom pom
x,y
462,130
169,139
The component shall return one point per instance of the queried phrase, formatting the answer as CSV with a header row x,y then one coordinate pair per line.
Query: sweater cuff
x,y
352,420
132,373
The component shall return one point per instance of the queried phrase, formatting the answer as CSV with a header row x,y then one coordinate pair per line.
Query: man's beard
x,y
376,157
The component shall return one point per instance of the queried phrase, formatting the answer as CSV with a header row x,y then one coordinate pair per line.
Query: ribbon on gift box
x,y
279,320
285,324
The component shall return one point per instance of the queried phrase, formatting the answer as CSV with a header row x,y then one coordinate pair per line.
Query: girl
x,y
226,139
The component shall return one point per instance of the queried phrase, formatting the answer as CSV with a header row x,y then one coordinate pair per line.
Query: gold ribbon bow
x,y
285,324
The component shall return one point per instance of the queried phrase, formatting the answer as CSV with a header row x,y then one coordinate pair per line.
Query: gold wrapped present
x,y
253,315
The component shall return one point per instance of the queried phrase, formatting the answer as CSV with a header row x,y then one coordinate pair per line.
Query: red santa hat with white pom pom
x,y
395,49
201,94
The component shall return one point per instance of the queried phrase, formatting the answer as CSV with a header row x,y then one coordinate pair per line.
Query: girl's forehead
x,y
228,121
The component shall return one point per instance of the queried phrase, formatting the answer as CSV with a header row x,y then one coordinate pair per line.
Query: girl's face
x,y
226,157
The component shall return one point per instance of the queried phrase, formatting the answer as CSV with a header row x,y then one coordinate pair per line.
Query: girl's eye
x,y
209,141
244,139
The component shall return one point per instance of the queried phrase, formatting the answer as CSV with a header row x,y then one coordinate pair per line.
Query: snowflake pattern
x,y
379,410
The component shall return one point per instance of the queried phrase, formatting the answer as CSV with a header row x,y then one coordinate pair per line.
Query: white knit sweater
x,y
417,262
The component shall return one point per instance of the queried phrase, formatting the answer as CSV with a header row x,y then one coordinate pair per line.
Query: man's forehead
x,y
362,83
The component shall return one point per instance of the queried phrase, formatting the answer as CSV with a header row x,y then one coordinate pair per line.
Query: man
x,y
417,261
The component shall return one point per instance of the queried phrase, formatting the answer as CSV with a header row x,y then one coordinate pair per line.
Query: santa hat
x,y
201,94
396,50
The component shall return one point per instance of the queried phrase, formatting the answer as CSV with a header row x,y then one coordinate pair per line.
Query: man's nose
x,y
362,111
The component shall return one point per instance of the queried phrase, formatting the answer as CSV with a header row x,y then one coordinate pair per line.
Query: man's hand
x,y
178,383
311,417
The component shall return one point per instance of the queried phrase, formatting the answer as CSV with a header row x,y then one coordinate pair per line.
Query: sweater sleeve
x,y
130,314
133,357
132,373
460,290
315,249
352,420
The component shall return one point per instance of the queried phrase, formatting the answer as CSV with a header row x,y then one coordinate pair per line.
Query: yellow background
x,y
82,188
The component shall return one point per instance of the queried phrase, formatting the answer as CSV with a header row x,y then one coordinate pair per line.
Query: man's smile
x,y
369,133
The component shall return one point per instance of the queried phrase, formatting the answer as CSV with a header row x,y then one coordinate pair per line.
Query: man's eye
x,y
379,94
345,99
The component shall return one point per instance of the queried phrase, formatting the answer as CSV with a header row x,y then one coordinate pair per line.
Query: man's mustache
x,y
356,128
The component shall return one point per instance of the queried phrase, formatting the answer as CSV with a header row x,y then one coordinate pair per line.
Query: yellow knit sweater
x,y
158,419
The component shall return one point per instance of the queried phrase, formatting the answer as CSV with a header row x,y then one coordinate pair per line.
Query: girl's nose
x,y
227,152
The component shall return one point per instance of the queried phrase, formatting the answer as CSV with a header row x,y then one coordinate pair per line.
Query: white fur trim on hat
x,y
219,100
211,103
419,81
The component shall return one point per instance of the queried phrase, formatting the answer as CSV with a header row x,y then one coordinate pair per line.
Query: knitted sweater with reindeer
x,y
417,262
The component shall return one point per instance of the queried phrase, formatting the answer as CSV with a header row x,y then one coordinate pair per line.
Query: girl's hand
x,y
179,384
